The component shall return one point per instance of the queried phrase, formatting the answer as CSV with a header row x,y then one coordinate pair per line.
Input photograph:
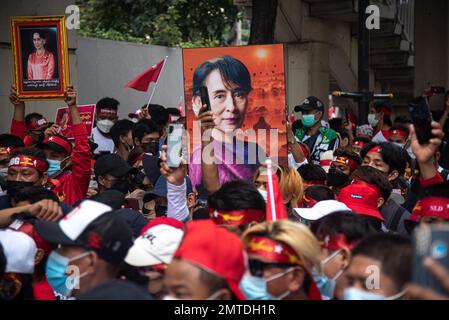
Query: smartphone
x,y
438,90
430,240
204,94
174,144
422,118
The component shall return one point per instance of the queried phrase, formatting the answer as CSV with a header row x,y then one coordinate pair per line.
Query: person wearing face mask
x,y
391,255
337,232
106,111
93,241
146,135
69,185
342,166
208,265
121,134
281,256
311,131
112,172
379,119
8,143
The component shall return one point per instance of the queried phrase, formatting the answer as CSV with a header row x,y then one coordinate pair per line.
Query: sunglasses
x,y
257,267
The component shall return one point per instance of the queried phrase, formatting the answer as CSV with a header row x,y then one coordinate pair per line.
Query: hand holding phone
x,y
422,119
174,144
204,94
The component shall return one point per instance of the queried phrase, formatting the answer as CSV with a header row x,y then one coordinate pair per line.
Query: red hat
x,y
56,141
28,229
163,220
362,198
236,217
37,124
5,152
215,250
401,133
431,207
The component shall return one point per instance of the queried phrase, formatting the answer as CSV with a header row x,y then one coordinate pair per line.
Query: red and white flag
x,y
181,107
142,81
275,203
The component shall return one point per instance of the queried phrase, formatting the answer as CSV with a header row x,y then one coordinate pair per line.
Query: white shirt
x,y
292,162
104,144
177,201
379,137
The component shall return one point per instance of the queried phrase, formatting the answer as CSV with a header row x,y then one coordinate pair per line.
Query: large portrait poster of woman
x,y
40,53
246,87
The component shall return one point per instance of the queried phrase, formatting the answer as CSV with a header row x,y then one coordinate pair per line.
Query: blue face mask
x,y
324,284
54,168
255,288
55,272
308,120
358,294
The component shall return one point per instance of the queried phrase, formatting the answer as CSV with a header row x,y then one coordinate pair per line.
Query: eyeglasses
x,y
257,267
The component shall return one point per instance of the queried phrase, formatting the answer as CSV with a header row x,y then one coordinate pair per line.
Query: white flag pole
x,y
271,189
155,85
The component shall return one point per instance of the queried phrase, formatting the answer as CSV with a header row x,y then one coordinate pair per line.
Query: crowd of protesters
x,y
105,217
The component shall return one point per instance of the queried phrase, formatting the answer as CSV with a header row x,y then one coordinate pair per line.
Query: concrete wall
x,y
105,66
28,8
432,47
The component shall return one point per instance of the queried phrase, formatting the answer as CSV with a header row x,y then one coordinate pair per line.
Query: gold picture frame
x,y
40,55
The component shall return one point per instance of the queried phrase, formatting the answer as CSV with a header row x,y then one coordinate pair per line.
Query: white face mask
x,y
372,120
105,125
4,172
263,193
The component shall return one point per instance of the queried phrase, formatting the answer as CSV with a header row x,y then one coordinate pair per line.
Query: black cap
x,y
151,167
112,164
134,219
310,103
116,290
108,234
113,198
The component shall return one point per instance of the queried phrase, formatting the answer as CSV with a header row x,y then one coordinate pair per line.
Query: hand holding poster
x,y
64,121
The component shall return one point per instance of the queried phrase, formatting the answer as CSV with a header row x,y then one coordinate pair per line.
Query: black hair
x,y
158,114
31,152
319,193
232,71
348,154
2,261
382,106
394,253
336,124
10,140
108,103
394,156
399,126
119,129
26,292
134,154
353,226
236,195
143,127
374,176
214,282
35,194
29,117
173,111
402,120
344,134
436,190
362,138
312,172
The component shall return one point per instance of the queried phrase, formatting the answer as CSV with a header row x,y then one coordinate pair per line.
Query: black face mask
x,y
121,185
161,211
151,147
14,187
336,177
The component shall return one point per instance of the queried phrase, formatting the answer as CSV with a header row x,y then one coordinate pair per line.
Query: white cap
x,y
157,245
20,251
321,209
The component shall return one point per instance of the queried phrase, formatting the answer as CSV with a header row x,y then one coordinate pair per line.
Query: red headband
x,y
5,152
376,149
308,201
336,242
368,185
324,163
236,217
347,162
272,250
308,183
431,207
139,157
360,144
60,142
30,162
400,133
37,124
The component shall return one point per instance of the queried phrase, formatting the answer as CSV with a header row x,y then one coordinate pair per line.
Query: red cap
x,y
236,217
359,143
28,229
431,207
215,250
5,152
401,133
362,198
163,220
67,146
37,124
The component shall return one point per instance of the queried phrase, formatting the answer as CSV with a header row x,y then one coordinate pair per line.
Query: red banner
x,y
64,121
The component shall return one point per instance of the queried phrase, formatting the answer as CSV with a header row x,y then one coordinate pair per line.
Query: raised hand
x,y
175,176
70,96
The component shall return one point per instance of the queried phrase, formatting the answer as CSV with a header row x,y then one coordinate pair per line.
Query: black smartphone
x,y
422,118
204,94
430,240
438,89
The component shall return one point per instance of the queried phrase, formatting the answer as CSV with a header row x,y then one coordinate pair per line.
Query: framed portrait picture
x,y
40,55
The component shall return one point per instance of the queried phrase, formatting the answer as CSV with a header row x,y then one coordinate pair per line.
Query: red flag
x,y
275,202
142,81
181,108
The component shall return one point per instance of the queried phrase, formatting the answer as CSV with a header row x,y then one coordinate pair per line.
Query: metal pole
x,y
363,62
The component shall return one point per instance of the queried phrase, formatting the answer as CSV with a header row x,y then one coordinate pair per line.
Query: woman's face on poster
x,y
228,102
38,41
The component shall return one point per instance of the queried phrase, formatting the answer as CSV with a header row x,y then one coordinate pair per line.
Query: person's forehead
x,y
36,35
373,156
363,266
396,137
182,273
22,169
262,177
214,82
152,135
